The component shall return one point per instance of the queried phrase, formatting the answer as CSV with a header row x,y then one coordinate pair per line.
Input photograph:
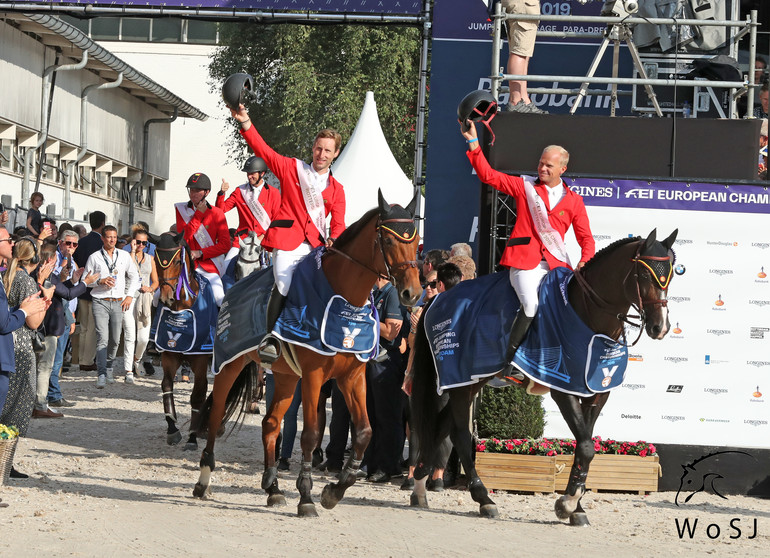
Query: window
x,y
135,29
7,161
167,30
51,169
105,28
201,32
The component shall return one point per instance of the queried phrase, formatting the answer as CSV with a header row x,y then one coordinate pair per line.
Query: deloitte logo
x,y
631,417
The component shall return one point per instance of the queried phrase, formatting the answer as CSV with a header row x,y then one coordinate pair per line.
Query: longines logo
x,y
594,192
632,417
679,299
721,272
718,332
675,359
761,245
758,332
759,303
716,391
753,422
671,418
683,241
601,237
634,387
758,363
674,388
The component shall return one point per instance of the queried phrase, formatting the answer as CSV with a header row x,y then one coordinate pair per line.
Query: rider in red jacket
x,y
205,231
546,209
255,200
309,193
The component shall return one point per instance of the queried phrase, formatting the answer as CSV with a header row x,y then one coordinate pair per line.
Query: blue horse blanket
x,y
314,316
188,331
468,327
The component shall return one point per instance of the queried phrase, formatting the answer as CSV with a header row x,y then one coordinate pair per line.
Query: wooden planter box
x,y
538,473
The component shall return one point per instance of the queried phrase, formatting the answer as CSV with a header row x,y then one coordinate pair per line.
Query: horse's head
x,y
249,255
178,286
652,272
398,240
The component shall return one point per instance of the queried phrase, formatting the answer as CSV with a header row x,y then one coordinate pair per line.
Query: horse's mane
x,y
352,231
607,249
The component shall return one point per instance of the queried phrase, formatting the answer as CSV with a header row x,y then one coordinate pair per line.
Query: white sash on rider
x,y
251,197
312,194
202,236
550,238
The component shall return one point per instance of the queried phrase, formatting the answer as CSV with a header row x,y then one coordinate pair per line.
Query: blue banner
x,y
348,6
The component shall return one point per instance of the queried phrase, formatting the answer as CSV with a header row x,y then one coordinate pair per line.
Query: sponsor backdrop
x,y
351,6
461,61
708,381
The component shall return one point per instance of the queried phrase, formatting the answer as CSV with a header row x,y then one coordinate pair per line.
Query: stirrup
x,y
507,377
269,351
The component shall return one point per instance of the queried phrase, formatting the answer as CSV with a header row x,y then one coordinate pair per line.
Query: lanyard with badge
x,y
110,266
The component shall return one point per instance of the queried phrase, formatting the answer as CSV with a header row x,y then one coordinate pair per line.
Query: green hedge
x,y
510,413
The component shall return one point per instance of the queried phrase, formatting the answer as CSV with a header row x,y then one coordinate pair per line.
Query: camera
x,y
2,208
620,8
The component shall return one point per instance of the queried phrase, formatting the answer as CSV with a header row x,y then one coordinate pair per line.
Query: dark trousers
x,y
338,429
385,404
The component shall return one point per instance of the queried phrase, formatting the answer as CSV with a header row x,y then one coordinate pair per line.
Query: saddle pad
x,y
561,352
322,321
188,331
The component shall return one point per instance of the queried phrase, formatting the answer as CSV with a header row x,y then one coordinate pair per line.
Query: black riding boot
x,y
270,348
519,330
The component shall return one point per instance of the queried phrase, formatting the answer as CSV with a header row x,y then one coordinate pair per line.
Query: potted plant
x,y
9,436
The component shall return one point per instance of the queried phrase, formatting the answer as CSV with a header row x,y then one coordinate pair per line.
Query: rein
x,y
589,293
388,275
181,285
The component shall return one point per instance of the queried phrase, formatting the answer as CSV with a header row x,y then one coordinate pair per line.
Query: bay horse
x,y
382,243
616,279
178,289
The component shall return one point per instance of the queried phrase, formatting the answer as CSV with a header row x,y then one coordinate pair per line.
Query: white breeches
x,y
526,282
284,262
216,285
232,253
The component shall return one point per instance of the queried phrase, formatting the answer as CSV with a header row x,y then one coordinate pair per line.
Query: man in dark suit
x,y
89,244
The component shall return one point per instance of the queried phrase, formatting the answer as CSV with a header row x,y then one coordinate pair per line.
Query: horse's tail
x,y
425,402
238,398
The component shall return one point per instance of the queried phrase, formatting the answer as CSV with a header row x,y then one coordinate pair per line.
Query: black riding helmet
x,y
254,164
478,106
237,90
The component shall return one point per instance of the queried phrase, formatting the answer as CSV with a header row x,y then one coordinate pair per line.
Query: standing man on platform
x,y
547,209
205,231
309,193
255,200
521,46
89,244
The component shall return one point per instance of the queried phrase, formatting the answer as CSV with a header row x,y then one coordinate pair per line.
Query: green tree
x,y
313,77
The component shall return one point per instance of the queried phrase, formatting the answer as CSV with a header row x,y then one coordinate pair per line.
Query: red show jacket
x,y
216,225
269,197
292,207
569,211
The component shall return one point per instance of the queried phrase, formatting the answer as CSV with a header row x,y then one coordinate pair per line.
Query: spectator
x,y
87,338
760,71
764,96
54,323
53,232
117,276
136,320
461,249
433,258
34,217
81,230
20,285
448,275
384,400
763,148
467,266
143,226
521,46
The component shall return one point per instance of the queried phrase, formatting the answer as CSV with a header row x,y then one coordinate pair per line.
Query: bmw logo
x,y
679,269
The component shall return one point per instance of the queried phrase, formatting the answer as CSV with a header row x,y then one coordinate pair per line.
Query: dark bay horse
x,y
617,278
178,288
383,243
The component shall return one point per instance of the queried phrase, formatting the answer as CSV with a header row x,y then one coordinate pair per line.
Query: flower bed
x,y
543,465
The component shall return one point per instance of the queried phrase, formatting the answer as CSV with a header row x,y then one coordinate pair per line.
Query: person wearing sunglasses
x,y
136,320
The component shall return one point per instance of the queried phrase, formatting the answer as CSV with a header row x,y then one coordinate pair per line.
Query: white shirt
x,y
555,194
119,266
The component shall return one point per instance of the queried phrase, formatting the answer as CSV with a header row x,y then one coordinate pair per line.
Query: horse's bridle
x,y
176,287
378,242
639,304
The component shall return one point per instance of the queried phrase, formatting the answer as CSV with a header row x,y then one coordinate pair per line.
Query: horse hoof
x,y
488,510
328,498
579,519
174,439
561,509
416,501
276,500
307,510
190,446
201,491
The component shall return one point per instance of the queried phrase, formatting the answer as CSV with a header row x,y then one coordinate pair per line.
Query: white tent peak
x,y
367,164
